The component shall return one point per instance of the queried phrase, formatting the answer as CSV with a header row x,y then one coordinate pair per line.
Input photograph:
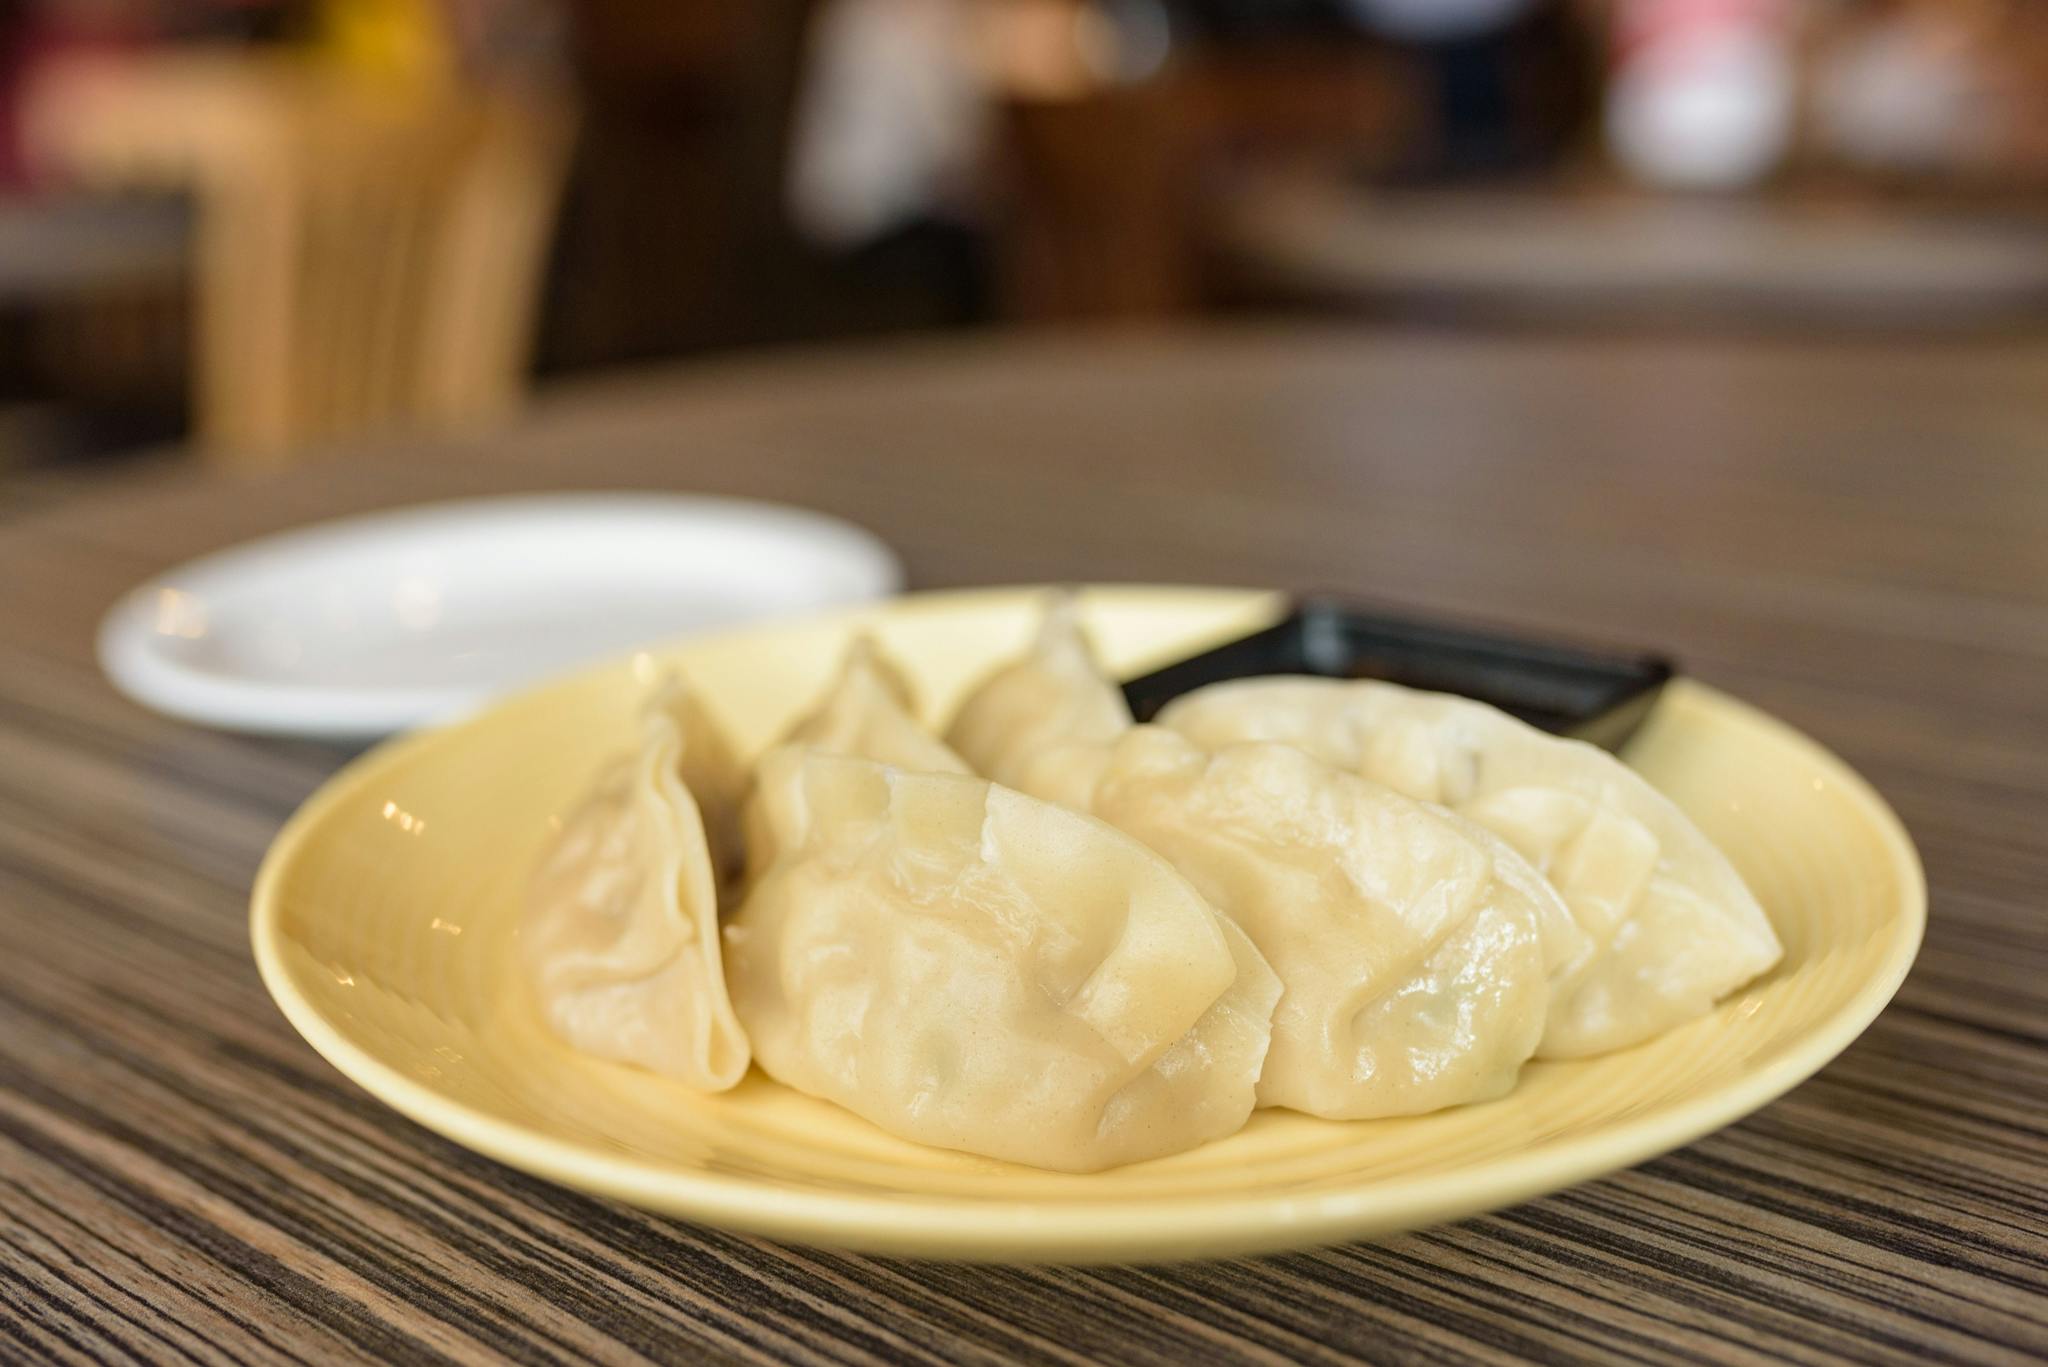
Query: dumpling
x,y
1042,723
1674,927
969,967
620,936
1411,949
712,774
868,711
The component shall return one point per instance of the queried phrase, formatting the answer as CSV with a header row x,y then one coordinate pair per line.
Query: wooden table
x,y
59,245
1594,258
1855,539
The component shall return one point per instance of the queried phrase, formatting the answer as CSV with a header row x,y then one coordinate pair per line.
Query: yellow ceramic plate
x,y
382,919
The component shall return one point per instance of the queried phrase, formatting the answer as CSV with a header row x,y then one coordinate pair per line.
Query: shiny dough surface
x,y
976,969
1672,925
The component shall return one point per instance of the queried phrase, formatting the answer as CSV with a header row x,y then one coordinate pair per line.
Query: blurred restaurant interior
x,y
361,360
250,227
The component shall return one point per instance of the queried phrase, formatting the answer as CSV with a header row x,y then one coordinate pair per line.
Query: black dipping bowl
x,y
1585,694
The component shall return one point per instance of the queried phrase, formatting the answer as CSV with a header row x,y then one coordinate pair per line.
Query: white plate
x,y
353,629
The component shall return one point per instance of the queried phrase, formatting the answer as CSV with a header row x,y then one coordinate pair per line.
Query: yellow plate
x,y
382,913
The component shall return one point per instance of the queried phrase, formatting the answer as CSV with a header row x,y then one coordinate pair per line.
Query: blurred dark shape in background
x,y
269,224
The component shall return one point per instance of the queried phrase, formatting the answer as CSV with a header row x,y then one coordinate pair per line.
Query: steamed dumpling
x,y
712,774
1042,724
620,937
972,968
1673,926
1413,952
868,711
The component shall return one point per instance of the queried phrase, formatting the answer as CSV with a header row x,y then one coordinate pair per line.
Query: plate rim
x,y
127,653
1145,1229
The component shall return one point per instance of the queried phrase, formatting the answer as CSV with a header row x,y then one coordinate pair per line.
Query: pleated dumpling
x,y
620,937
972,968
1042,723
868,711
1673,926
1413,951
711,773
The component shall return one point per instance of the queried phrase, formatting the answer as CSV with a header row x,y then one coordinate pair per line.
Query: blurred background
x,y
256,227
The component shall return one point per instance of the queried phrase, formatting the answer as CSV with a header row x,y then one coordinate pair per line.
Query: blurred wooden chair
x,y
369,253
1113,187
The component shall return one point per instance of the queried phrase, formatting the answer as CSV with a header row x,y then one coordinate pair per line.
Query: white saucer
x,y
353,629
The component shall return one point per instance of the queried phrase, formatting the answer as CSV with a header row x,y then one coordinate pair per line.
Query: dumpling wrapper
x,y
972,968
868,711
1413,950
1674,927
1042,723
620,937
715,779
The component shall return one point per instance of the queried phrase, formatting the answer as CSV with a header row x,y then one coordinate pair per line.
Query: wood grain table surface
x,y
1601,256
66,244
1855,538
